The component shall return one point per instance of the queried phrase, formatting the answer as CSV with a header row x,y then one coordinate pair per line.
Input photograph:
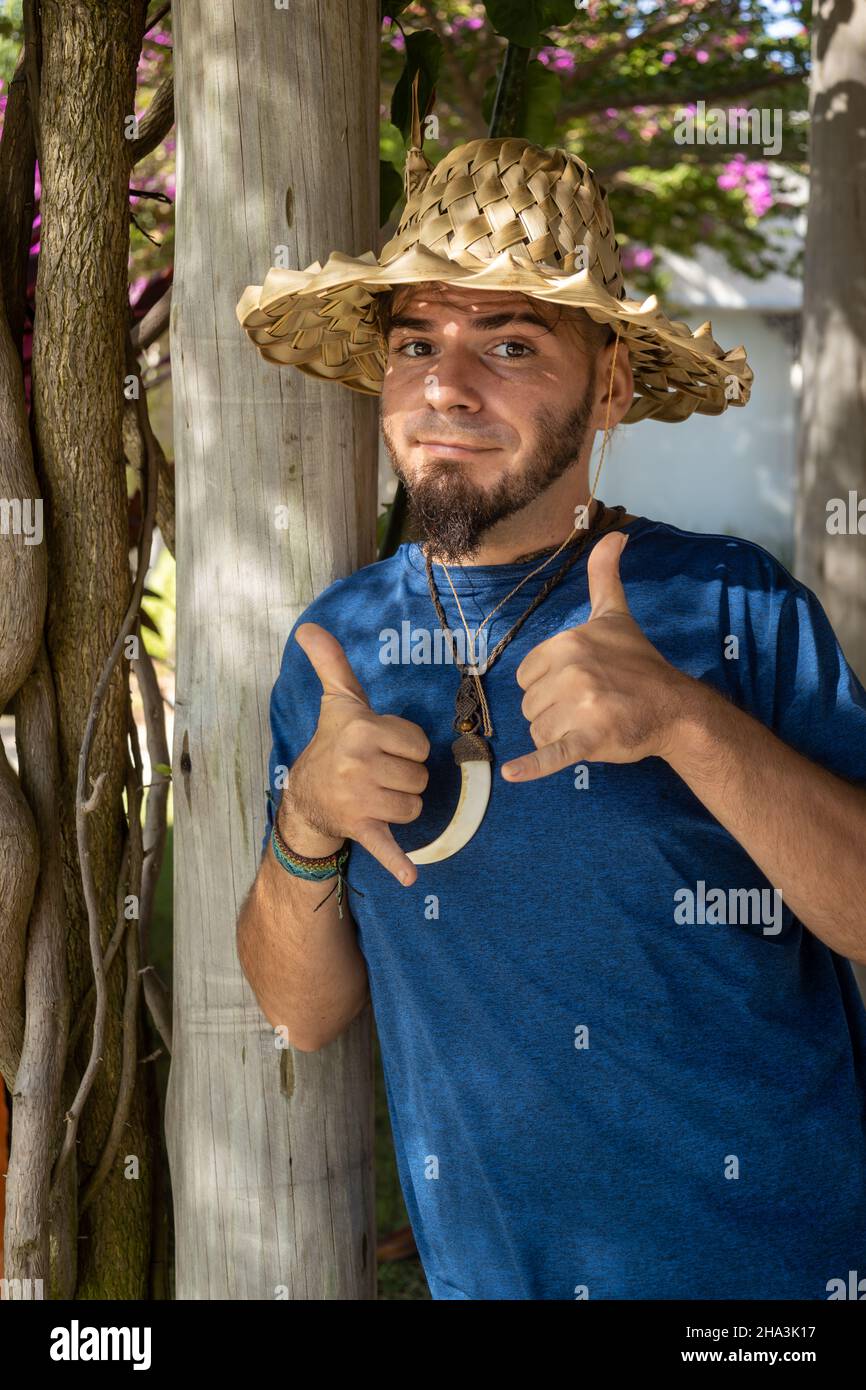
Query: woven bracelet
x,y
314,869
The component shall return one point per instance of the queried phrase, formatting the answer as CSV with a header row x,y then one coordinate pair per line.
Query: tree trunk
x,y
832,460
89,54
270,1151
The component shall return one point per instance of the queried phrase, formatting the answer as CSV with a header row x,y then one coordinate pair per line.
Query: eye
x,y
523,349
513,343
413,342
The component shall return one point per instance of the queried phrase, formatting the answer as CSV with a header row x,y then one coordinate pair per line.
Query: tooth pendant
x,y
474,757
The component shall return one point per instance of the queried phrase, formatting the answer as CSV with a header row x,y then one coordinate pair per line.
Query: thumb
x,y
329,662
606,594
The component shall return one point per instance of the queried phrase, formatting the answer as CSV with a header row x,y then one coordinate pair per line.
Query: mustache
x,y
473,439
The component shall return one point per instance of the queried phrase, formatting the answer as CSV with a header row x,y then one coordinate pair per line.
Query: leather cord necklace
x,y
472,752
471,708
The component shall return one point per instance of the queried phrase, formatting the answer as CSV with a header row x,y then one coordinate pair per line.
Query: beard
x,y
452,514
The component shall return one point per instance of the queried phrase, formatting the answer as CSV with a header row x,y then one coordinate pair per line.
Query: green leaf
x,y
424,55
382,524
524,21
559,13
390,189
389,9
543,103
163,768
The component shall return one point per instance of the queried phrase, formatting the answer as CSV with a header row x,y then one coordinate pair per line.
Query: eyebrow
x,y
482,321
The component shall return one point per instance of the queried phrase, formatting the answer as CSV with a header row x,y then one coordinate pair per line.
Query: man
x,y
623,1048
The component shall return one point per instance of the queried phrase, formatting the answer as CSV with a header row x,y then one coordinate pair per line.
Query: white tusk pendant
x,y
473,756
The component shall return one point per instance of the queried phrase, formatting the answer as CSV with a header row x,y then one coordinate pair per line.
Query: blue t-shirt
x,y
590,1094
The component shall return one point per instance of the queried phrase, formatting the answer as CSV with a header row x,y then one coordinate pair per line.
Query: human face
x,y
488,400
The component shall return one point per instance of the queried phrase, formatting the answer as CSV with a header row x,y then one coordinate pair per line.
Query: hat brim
x,y
325,321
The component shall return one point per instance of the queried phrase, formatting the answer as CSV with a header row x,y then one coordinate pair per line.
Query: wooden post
x,y
833,411
271,1151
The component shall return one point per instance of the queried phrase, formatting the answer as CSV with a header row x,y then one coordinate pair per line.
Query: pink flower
x,y
754,179
637,258
668,58
137,287
702,55
557,58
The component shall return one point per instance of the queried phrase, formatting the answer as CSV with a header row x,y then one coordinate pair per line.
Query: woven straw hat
x,y
494,214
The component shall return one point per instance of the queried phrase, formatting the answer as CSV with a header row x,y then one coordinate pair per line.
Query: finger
x,y
556,723
606,594
399,774
547,691
398,807
553,757
377,840
536,664
329,662
402,737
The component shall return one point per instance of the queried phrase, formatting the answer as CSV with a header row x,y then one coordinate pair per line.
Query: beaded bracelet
x,y
315,869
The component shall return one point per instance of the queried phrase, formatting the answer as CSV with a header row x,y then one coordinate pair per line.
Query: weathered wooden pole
x,y
277,138
830,551
831,554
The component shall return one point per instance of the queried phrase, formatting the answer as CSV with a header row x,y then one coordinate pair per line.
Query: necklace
x,y
471,705
472,752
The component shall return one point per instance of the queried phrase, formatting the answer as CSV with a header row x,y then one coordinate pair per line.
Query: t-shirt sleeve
x,y
818,702
294,715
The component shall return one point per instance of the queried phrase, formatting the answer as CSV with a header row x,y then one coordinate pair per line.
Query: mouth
x,y
455,449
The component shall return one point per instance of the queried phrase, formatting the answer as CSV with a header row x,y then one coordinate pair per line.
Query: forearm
x,y
804,827
304,965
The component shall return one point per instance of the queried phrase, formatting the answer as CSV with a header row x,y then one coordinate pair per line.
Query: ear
x,y
622,391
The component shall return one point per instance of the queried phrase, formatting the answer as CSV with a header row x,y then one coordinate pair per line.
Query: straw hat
x,y
494,214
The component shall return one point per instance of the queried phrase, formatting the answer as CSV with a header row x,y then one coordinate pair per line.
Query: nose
x,y
448,384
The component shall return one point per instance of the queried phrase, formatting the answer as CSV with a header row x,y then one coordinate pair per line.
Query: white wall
x,y
733,473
